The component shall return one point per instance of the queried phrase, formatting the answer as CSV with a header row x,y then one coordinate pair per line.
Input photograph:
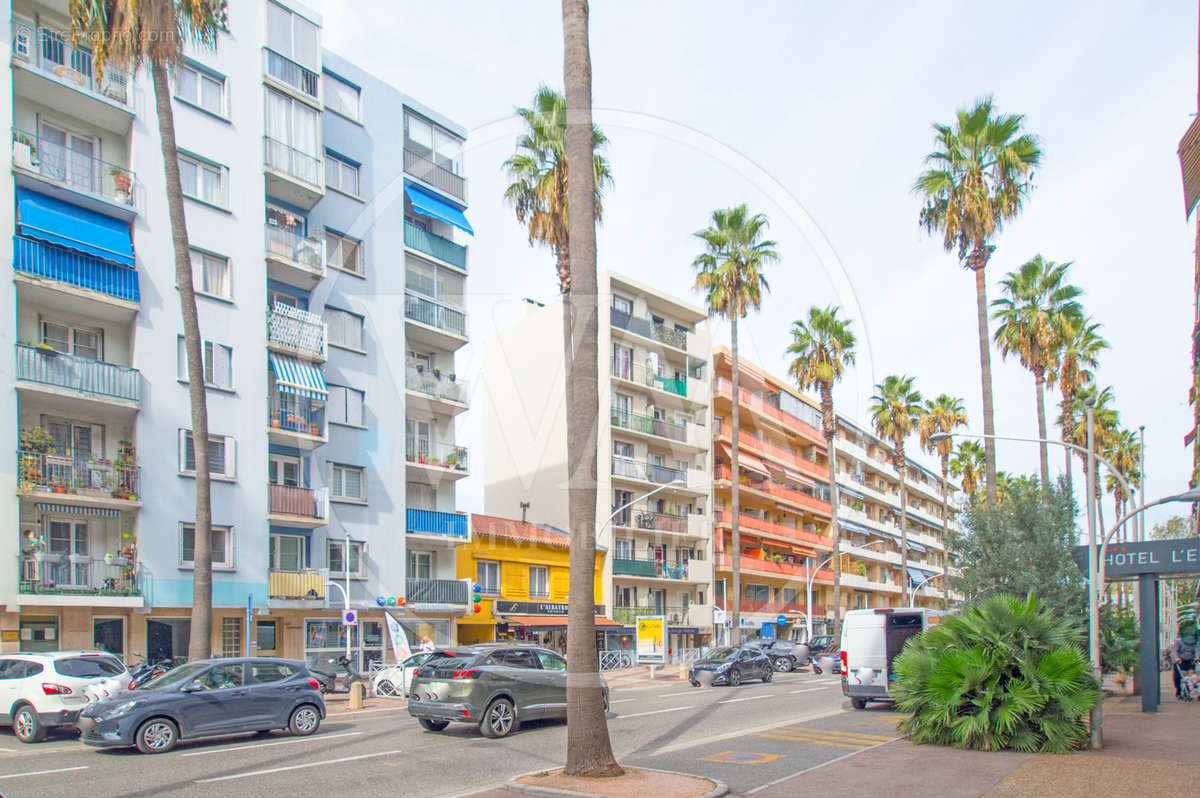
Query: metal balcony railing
x,y
433,383
636,372
627,615
635,469
420,167
292,500
290,73
436,522
436,591
648,329
77,474
435,246
59,573
435,314
296,329
50,52
297,414
44,365
662,521
307,251
298,164
649,425
78,171
444,455
296,585
31,256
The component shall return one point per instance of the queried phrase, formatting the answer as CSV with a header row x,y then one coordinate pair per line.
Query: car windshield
x,y
721,655
176,677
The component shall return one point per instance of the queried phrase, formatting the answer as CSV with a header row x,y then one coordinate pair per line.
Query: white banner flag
x,y
399,639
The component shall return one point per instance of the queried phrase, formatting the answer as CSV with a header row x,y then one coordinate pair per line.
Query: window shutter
x,y
353,483
183,367
222,365
230,457
354,407
337,403
183,444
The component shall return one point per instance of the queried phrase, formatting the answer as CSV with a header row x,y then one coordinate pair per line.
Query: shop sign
x,y
534,607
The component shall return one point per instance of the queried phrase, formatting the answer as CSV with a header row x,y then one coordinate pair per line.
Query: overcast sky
x,y
818,115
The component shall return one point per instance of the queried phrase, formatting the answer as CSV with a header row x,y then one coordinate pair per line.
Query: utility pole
x,y
1093,573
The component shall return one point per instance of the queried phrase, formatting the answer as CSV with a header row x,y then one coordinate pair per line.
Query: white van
x,y
871,639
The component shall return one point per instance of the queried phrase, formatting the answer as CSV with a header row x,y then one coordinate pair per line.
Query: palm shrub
x,y
1006,674
1119,643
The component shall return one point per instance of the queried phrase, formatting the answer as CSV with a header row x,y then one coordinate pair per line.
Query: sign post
x,y
249,620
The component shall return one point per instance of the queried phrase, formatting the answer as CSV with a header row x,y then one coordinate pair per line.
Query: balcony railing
x,y
289,73
423,380
296,329
772,450
56,162
670,336
435,175
297,414
435,246
307,251
758,404
636,372
43,365
648,329
436,522
627,615
59,573
762,565
809,500
291,500
662,521
296,585
635,469
749,522
432,453
81,475
649,425
51,52
436,591
435,314
298,164
47,261
652,568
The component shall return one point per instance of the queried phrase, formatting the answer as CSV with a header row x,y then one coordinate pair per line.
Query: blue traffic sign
x,y
781,620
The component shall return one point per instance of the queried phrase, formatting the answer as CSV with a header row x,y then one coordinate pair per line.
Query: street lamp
x,y
1188,496
811,573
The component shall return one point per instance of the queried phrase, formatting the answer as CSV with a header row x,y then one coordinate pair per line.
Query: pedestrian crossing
x,y
832,738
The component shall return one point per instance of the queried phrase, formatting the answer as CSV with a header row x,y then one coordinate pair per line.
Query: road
x,y
747,736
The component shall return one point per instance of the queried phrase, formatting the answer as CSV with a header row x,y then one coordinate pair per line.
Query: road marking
x,y
747,698
673,695
814,741
295,767
811,769
8,750
655,712
276,742
875,738
624,700
43,772
741,758
691,743
807,690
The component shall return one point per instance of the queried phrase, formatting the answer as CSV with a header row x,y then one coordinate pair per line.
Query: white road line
x,y
277,742
823,764
655,712
42,772
691,743
294,767
8,750
747,698
673,695
618,701
810,689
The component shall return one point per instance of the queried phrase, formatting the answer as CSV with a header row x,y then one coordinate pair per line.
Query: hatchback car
x,y
496,687
40,691
785,655
207,698
731,666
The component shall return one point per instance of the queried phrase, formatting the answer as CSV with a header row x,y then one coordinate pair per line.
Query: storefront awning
x,y
425,203
71,509
66,225
548,621
302,379
746,461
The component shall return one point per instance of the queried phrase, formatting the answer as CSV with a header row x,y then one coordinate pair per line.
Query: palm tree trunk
x,y
904,530
945,534
589,751
1039,381
985,373
1067,469
200,640
835,529
735,543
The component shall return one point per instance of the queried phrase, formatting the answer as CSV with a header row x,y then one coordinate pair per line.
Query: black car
x,y
732,666
207,698
785,655
821,644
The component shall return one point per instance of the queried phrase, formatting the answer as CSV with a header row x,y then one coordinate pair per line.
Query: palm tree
x,y
129,34
943,414
967,465
1035,314
1105,422
977,179
730,274
1078,355
823,348
1124,451
895,408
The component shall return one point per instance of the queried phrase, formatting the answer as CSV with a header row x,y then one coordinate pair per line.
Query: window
x,y
487,574
82,342
421,565
444,285
285,470
513,658
221,455
622,305
623,550
218,364
201,88
433,143
267,672
626,596
342,97
203,181
420,496
348,482
223,676
345,405
222,546
293,36
341,174
336,558
343,253
288,553
264,634
344,328
70,157
551,662
539,581
293,132
210,274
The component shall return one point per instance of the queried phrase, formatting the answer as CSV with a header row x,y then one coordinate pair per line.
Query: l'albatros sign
x,y
1180,556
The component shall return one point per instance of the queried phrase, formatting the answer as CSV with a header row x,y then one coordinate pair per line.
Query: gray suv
x,y
494,686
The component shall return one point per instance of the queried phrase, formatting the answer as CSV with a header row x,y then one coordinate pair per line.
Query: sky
x,y
818,114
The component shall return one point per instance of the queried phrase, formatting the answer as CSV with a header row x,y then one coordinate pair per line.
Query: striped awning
x,y
72,509
302,379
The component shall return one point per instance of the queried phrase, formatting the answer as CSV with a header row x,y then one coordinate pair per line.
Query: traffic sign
x,y
781,620
349,618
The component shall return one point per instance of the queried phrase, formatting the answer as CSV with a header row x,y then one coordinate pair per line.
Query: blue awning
x,y
916,546
301,379
916,576
850,526
428,204
66,225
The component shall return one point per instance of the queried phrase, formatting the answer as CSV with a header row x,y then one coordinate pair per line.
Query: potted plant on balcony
x,y
861,569
122,182
314,429
46,350
25,151
116,559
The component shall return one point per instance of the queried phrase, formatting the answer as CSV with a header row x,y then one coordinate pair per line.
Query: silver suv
x,y
494,686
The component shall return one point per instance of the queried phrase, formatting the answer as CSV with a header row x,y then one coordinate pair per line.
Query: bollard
x,y
683,670
356,695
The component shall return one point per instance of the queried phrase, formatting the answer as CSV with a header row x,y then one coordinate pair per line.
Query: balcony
x,y
647,425
288,73
660,380
58,170
294,331
648,329
44,369
443,326
293,258
54,73
83,481
442,394
437,524
673,570
782,455
776,531
108,580
436,460
794,571
298,507
453,592
293,175
66,266
435,246
648,472
296,421
441,178
305,585
769,489
628,615
774,607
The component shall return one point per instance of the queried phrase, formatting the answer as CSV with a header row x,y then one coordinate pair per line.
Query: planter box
x,y
48,557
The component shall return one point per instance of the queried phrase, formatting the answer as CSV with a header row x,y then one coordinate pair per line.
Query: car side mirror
x,y
193,687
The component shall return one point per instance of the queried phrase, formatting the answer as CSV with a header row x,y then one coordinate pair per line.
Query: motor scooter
x,y
328,679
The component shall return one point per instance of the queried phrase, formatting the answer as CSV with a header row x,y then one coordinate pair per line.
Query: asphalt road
x,y
747,736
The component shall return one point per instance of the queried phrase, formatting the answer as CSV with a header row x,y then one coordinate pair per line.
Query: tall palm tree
x,y
944,414
967,465
823,347
730,274
1077,357
895,408
589,750
1036,313
1124,451
1105,423
977,179
130,34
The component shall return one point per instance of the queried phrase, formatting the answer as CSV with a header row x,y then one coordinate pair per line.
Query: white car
x,y
39,691
395,679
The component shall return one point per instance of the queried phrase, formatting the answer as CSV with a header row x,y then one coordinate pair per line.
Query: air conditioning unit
x,y
675,618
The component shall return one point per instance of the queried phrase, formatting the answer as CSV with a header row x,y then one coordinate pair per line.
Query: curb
x,y
719,789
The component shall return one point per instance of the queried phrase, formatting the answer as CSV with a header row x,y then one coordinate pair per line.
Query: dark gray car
x,y
496,687
207,698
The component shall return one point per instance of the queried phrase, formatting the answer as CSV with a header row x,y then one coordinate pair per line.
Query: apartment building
x,y
298,202
654,471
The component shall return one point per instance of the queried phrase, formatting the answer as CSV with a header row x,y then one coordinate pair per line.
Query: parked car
x,y
40,691
785,655
496,686
396,679
207,698
731,666
821,644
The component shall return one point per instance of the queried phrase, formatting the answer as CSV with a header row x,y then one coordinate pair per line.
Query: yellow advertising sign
x,y
652,639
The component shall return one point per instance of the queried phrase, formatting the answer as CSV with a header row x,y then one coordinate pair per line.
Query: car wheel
x,y
157,736
499,720
735,677
385,687
304,721
783,664
858,703
767,674
27,726
433,725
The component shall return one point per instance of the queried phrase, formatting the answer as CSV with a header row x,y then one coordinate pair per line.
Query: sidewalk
x,y
339,703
